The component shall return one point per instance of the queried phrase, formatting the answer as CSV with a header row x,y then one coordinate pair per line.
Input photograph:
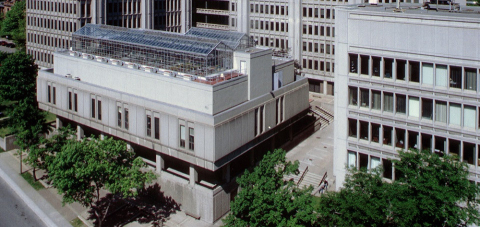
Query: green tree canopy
x,y
14,24
266,199
429,191
85,167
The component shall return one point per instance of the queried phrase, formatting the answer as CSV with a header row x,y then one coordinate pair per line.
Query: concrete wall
x,y
7,143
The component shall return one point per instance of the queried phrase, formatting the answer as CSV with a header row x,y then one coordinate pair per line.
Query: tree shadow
x,y
150,206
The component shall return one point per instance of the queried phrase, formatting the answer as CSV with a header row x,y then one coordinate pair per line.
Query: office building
x,y
408,79
50,23
199,107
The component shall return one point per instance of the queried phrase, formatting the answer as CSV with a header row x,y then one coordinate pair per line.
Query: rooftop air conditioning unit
x,y
68,76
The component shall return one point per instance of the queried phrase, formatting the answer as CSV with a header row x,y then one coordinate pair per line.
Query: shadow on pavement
x,y
151,206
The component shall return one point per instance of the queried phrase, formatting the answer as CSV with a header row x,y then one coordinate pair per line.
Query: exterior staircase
x,y
325,117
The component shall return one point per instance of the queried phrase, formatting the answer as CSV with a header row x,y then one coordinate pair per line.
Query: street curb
x,y
27,200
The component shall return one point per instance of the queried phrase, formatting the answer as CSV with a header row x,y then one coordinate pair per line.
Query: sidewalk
x,y
9,168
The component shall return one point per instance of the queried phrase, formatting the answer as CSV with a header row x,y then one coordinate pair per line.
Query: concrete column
x,y
80,132
58,123
193,175
159,164
129,147
102,136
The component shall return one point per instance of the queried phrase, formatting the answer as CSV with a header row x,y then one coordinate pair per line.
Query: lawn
x,y
77,223
5,131
29,178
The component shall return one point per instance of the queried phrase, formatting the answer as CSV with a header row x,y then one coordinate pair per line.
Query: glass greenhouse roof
x,y
195,43
232,39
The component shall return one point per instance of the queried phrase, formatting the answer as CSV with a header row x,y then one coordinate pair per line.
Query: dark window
x,y
388,62
376,66
427,109
401,104
401,69
49,94
191,139
364,64
119,116
126,118
414,72
76,101
157,128
455,77
70,106
93,108
353,63
149,125
54,95
99,110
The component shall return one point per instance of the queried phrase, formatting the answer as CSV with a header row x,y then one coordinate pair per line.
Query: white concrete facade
x,y
195,134
405,80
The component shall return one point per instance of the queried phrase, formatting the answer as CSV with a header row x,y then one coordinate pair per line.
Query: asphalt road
x,y
13,211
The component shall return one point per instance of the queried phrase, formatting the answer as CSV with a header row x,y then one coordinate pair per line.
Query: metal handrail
x,y
303,175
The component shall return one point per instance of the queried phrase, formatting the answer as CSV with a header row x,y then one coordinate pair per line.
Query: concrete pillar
x,y
193,175
129,147
102,136
80,132
159,164
58,123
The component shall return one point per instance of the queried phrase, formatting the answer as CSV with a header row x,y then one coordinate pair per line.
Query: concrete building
x,y
199,107
408,79
7,6
50,23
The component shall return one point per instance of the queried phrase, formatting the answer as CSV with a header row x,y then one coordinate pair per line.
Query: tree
x,y
85,167
18,75
429,191
266,199
14,24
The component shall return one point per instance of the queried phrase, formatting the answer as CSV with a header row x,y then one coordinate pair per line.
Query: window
x,y
182,136
364,64
376,100
388,67
427,109
401,64
455,114
376,66
191,139
149,125
49,95
401,104
374,162
157,128
441,78
54,97
455,77
93,107
352,128
70,106
375,132
352,159
99,108
427,73
353,63
243,67
387,135
414,71
413,106
469,114
400,138
353,95
364,130
364,98
126,118
468,153
388,102
470,79
441,111
426,142
119,116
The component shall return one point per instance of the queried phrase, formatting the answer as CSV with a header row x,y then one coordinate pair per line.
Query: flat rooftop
x,y
467,12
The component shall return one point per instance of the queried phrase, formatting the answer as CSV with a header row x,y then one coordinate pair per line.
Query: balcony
x,y
213,11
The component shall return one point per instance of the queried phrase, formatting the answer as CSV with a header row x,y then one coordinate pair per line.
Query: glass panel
x,y
427,109
376,100
400,138
374,162
364,59
401,104
413,106
353,63
352,129
375,133
468,152
376,66
352,159
455,77
387,135
401,64
469,114
388,102
182,136
454,148
413,140
191,139
353,95
455,114
387,169
441,77
388,63
440,144
414,71
470,79
365,96
426,142
427,73
441,111
363,130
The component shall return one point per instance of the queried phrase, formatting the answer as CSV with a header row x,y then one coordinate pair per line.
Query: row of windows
x,y
41,56
455,114
96,107
123,109
313,48
60,7
425,73
269,9
51,93
314,65
132,7
72,100
313,30
184,134
127,22
274,26
52,24
272,42
407,139
48,40
313,13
